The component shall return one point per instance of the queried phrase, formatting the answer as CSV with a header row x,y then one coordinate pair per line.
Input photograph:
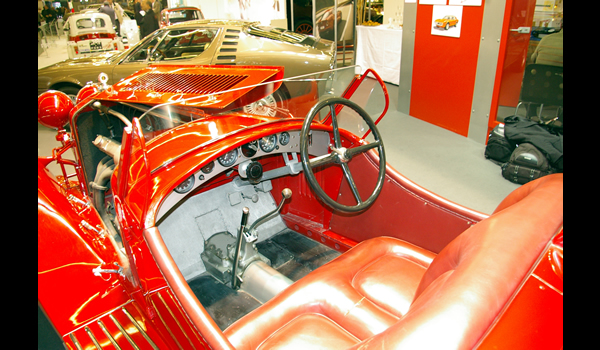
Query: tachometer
x,y
229,158
268,143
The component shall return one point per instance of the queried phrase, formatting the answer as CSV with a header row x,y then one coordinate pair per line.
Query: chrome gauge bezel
x,y
284,138
268,143
208,168
229,158
186,185
249,149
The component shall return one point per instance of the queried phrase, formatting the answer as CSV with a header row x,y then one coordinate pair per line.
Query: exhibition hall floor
x,y
443,162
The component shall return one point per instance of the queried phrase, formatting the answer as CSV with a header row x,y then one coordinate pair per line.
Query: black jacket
x,y
149,24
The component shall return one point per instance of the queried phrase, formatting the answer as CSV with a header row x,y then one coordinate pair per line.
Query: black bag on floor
x,y
498,149
518,131
526,163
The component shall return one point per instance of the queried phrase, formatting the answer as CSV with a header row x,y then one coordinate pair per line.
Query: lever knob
x,y
286,193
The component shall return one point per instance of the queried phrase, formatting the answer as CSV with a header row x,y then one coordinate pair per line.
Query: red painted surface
x,y
67,253
53,109
536,309
155,293
444,71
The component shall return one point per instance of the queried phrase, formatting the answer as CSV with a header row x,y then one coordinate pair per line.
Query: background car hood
x,y
95,60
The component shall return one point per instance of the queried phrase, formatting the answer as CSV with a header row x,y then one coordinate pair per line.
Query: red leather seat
x,y
389,294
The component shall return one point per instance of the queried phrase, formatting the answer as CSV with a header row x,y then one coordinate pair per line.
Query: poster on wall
x,y
465,2
446,20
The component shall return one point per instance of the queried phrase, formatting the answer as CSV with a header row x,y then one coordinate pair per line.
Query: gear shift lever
x,y
286,193
250,236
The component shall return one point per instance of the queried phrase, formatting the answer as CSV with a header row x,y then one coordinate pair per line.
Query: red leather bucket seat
x,y
386,293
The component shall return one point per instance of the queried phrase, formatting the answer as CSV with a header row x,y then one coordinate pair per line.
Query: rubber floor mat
x,y
295,255
222,303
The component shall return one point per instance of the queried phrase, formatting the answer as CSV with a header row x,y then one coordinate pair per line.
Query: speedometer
x,y
229,158
268,143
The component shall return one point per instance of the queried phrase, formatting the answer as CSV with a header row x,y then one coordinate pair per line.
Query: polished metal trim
x,y
75,341
108,335
140,329
93,338
165,324
175,318
185,317
547,284
124,332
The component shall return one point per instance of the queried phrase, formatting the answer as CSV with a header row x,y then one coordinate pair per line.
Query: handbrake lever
x,y
249,235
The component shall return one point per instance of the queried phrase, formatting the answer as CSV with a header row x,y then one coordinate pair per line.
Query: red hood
x,y
197,86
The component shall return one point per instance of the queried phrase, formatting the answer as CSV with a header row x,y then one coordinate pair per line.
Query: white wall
x,y
258,10
213,9
390,8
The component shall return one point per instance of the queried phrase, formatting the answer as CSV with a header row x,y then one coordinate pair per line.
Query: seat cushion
x,y
312,331
361,293
379,282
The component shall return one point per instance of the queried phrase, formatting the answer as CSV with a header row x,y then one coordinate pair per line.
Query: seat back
x,y
471,280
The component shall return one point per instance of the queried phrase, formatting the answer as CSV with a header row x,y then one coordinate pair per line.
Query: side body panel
x,y
68,251
536,309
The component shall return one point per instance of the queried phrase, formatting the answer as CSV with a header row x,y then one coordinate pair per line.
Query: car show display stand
x,y
379,48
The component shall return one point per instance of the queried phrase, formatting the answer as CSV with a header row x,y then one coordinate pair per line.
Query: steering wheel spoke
x,y
351,152
322,160
340,155
334,124
351,182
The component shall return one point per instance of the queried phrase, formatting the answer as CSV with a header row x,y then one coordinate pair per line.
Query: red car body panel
x,y
152,305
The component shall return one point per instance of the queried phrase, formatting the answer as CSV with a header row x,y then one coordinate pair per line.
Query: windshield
x,y
294,99
138,49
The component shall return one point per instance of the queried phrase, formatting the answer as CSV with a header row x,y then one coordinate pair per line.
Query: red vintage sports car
x,y
178,221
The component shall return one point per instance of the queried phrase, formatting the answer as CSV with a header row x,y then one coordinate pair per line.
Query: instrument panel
x,y
279,143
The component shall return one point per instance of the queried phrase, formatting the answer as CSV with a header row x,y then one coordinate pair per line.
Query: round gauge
x,y
229,158
250,149
268,143
185,186
284,138
208,167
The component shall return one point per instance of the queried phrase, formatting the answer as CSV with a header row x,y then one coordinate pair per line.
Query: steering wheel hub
x,y
342,156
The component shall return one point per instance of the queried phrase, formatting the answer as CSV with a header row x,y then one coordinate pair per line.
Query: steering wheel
x,y
340,155
162,54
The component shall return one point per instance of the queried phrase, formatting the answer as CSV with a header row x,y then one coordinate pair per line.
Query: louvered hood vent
x,y
196,84
201,86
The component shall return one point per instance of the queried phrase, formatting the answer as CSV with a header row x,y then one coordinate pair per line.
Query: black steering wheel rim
x,y
340,155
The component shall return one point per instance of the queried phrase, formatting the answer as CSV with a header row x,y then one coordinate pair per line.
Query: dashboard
x,y
244,160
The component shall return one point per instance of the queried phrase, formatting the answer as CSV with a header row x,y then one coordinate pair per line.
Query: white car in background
x,y
130,33
89,34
